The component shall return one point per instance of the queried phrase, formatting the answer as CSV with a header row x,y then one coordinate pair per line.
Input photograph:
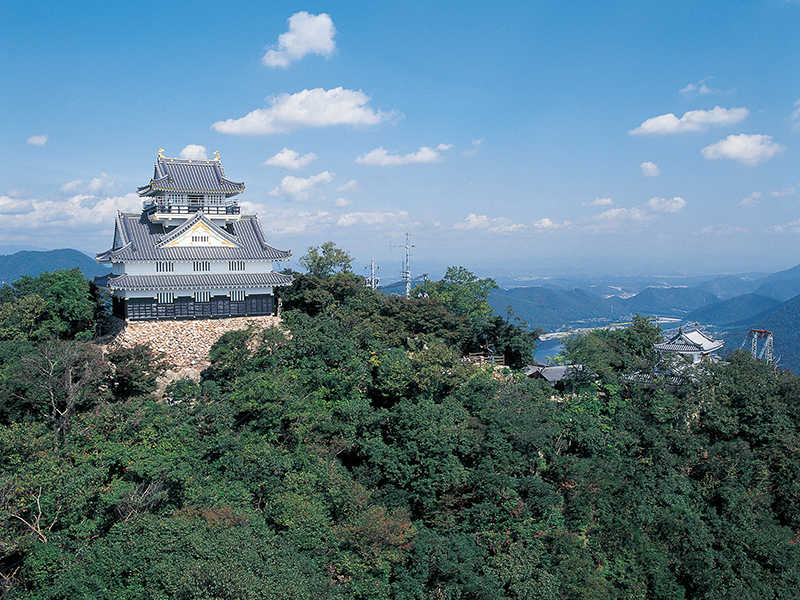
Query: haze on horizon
x,y
525,137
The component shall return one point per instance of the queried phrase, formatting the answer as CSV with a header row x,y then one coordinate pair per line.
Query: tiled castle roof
x,y
138,239
189,175
205,281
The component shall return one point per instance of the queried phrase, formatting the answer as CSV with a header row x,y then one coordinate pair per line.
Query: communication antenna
x,y
372,281
406,273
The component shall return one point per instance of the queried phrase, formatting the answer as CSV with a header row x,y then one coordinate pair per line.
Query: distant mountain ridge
x,y
32,263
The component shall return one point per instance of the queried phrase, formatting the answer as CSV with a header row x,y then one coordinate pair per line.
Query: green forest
x,y
353,453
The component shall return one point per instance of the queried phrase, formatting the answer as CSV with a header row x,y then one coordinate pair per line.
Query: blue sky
x,y
522,137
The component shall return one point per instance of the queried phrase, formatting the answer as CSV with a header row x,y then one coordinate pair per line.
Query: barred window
x,y
203,239
237,295
236,265
202,265
202,296
164,267
166,297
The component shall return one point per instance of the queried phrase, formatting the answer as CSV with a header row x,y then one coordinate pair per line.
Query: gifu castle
x,y
190,253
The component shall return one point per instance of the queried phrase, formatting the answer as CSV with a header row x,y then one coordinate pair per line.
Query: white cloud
x,y
599,202
694,120
340,202
37,140
665,205
309,108
495,225
795,116
381,157
747,149
476,146
650,169
370,219
350,186
194,152
614,218
289,221
289,159
751,200
787,191
308,34
699,89
722,230
299,188
548,224
14,206
98,185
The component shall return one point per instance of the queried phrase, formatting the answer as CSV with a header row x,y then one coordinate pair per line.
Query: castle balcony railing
x,y
174,208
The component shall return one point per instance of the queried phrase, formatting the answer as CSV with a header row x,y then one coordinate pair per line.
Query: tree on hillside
x,y
326,260
61,304
461,292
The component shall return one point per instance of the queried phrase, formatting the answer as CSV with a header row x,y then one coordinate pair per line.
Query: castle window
x,y
203,239
237,295
201,265
164,267
235,265
202,296
166,297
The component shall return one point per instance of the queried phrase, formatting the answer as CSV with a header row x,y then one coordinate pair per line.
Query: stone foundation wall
x,y
184,343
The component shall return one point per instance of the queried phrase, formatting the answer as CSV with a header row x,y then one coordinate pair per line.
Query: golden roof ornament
x,y
217,155
160,153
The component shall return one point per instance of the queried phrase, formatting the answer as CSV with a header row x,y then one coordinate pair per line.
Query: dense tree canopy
x,y
354,454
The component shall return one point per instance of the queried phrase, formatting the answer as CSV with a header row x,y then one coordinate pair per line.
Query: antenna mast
x,y
373,282
406,273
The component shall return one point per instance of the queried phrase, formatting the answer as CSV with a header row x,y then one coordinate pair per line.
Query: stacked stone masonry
x,y
184,343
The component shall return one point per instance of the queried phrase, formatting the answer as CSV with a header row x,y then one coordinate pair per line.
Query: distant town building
x,y
691,343
190,253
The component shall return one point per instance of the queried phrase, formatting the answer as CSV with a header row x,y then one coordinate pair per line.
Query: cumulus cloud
x,y
309,108
548,224
308,34
666,205
14,206
599,202
37,140
381,157
694,120
699,89
350,186
495,225
747,149
370,219
751,200
299,188
98,185
476,146
795,116
340,202
289,159
787,191
194,152
650,169
614,218
722,230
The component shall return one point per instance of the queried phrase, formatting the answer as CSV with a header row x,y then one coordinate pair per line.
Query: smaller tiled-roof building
x,y
691,342
190,253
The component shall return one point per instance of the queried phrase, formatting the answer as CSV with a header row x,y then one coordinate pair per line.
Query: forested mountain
x,y
729,286
783,323
741,309
31,263
354,454
552,309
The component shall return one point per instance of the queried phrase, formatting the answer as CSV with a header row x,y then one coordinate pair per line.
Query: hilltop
x,y
32,263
